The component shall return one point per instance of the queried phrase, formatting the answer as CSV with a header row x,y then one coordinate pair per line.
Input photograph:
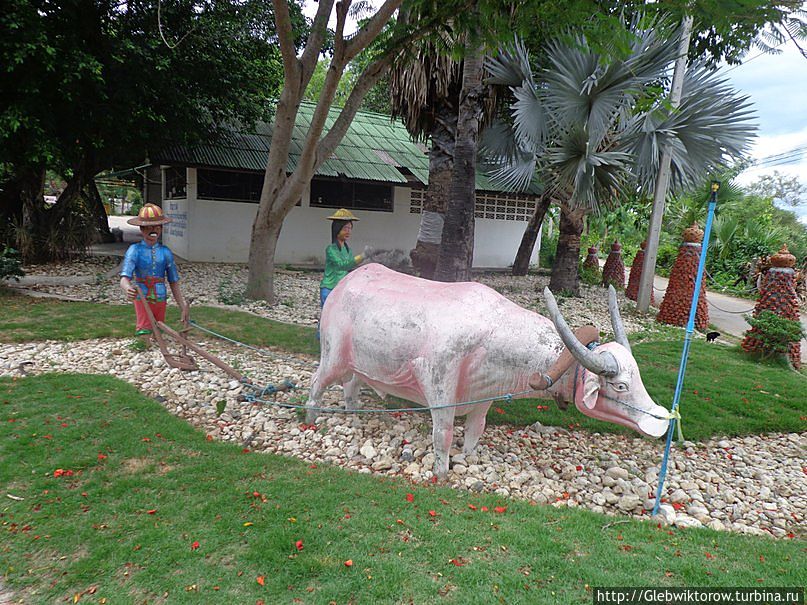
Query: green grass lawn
x,y
726,393
146,509
25,319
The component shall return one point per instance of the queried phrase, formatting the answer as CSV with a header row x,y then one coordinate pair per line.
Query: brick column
x,y
632,291
678,298
778,294
614,270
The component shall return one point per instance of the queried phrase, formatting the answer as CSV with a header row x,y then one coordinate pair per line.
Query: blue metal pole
x,y
682,368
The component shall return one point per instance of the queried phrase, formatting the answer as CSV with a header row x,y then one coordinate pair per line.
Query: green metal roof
x,y
373,149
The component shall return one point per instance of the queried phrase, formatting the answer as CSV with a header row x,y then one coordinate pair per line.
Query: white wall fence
x,y
219,231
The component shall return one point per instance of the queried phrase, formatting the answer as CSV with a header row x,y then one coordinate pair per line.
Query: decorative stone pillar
x,y
632,291
678,298
778,294
614,270
592,262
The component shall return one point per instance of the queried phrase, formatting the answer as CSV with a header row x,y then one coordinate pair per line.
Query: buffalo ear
x,y
588,391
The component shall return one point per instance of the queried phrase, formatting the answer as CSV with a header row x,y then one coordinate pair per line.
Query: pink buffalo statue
x,y
437,344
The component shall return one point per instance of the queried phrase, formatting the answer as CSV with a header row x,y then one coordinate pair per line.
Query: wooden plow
x,y
183,360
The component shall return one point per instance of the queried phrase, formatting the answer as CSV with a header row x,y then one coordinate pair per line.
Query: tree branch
x,y
316,39
285,36
368,78
342,7
365,36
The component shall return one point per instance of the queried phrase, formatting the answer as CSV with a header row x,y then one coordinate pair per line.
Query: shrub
x,y
589,276
665,259
230,294
10,264
775,333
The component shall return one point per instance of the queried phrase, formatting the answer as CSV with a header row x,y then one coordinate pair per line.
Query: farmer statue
x,y
149,264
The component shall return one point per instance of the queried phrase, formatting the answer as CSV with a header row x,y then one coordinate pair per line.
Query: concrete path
x,y
726,312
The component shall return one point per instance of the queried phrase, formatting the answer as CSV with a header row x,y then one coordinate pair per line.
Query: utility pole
x,y
663,177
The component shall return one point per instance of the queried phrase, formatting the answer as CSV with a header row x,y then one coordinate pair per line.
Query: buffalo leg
x,y
352,388
442,437
474,426
324,377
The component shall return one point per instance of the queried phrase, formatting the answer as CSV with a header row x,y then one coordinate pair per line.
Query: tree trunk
x,y
98,209
457,247
441,169
565,275
521,264
261,284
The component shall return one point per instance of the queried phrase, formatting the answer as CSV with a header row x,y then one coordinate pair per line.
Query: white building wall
x,y
176,234
219,231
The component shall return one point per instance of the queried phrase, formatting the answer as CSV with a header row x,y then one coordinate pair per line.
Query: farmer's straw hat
x,y
149,216
342,215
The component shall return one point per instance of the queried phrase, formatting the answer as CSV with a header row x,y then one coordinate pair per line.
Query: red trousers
x,y
157,309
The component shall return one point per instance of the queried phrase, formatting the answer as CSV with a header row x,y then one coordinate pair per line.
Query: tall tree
x,y
588,129
281,189
457,245
89,84
424,91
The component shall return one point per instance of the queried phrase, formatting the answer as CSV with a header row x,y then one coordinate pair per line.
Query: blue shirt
x,y
149,266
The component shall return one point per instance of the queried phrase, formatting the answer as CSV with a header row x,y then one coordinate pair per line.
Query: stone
x,y
629,502
685,521
679,496
616,472
368,451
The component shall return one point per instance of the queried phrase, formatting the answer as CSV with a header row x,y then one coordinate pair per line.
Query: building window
x,y
498,206
229,185
356,195
175,183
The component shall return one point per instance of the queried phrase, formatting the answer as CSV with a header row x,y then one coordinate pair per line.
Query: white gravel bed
x,y
298,291
753,485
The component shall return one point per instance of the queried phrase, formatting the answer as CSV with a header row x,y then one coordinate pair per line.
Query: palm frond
x,y
511,67
712,126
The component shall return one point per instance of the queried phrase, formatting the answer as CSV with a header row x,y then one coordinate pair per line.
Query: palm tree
x,y
576,127
425,87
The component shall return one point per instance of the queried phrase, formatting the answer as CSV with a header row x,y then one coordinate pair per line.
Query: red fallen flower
x,y
678,505
102,456
349,563
472,507
261,580
410,497
709,555
153,511
145,439
298,545
256,494
484,509
579,467
499,410
457,562
47,436
432,513
500,509
195,545
541,408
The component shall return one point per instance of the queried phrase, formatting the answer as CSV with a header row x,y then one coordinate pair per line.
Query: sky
x,y
777,87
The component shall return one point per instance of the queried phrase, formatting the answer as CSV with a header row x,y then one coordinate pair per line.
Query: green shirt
x,y
337,263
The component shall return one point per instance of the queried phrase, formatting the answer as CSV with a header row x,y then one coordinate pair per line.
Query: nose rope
x,y
670,415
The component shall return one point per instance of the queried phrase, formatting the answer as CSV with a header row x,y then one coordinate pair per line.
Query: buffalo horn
x,y
616,319
603,364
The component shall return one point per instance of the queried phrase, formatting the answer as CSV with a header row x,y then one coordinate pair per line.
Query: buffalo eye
x,y
619,387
